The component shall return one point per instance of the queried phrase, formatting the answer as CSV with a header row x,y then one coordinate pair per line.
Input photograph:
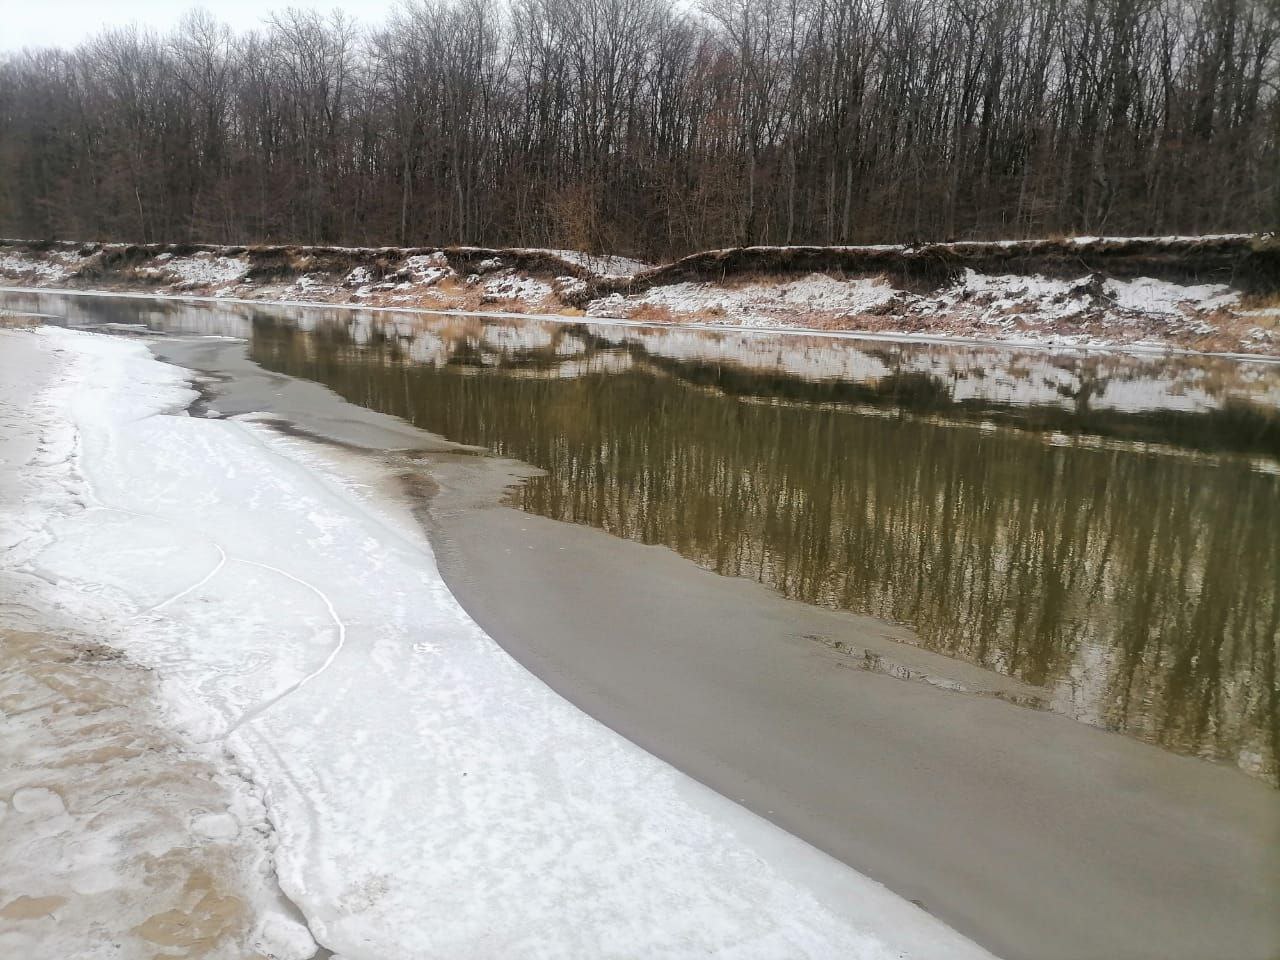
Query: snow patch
x,y
602,265
515,287
755,304
567,288
54,266
424,269
284,938
359,277
1147,295
205,269
215,826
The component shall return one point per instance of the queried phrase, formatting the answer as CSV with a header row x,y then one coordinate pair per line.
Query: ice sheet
x,y
430,797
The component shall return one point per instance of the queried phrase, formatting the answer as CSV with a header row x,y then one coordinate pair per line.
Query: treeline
x,y
652,128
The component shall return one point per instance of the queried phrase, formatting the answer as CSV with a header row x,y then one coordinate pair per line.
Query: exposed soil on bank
x,y
1209,294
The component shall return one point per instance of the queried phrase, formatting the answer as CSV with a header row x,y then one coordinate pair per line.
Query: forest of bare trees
x,y
652,127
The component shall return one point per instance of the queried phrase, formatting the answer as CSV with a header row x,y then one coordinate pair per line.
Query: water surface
x,y
1101,526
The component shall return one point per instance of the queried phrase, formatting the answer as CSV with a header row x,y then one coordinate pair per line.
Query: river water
x,y
1103,527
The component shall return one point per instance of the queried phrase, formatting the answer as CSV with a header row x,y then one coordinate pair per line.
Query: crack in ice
x,y
223,558
294,687
222,562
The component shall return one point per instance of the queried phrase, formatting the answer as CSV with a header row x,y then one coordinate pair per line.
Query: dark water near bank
x,y
1107,528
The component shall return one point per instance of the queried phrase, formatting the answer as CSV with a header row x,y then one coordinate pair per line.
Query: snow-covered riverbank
x,y
119,837
1201,294
428,796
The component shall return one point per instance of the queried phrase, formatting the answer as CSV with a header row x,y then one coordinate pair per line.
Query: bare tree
x,y
647,127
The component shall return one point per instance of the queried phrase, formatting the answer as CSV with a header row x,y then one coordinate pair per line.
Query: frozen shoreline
x,y
114,828
430,797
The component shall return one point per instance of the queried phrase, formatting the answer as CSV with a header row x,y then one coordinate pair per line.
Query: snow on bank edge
x,y
1082,310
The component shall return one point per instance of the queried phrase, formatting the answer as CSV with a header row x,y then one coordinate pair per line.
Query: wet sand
x,y
1035,835
113,829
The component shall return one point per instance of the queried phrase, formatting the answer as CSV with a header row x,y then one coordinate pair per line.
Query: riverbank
x,y
1199,294
119,835
426,795
1035,835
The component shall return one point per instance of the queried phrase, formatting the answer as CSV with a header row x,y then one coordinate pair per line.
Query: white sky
x,y
43,23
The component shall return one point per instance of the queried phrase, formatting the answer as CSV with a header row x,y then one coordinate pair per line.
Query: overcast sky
x,y
43,23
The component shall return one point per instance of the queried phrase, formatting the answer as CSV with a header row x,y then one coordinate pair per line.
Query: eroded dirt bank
x,y
1213,294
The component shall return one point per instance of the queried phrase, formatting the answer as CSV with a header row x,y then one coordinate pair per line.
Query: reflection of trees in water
x,y
1236,426
1141,587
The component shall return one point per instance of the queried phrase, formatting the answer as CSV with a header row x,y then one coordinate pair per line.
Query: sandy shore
x,y
1037,836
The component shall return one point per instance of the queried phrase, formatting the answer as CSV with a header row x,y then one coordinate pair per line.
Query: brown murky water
x,y
1104,527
